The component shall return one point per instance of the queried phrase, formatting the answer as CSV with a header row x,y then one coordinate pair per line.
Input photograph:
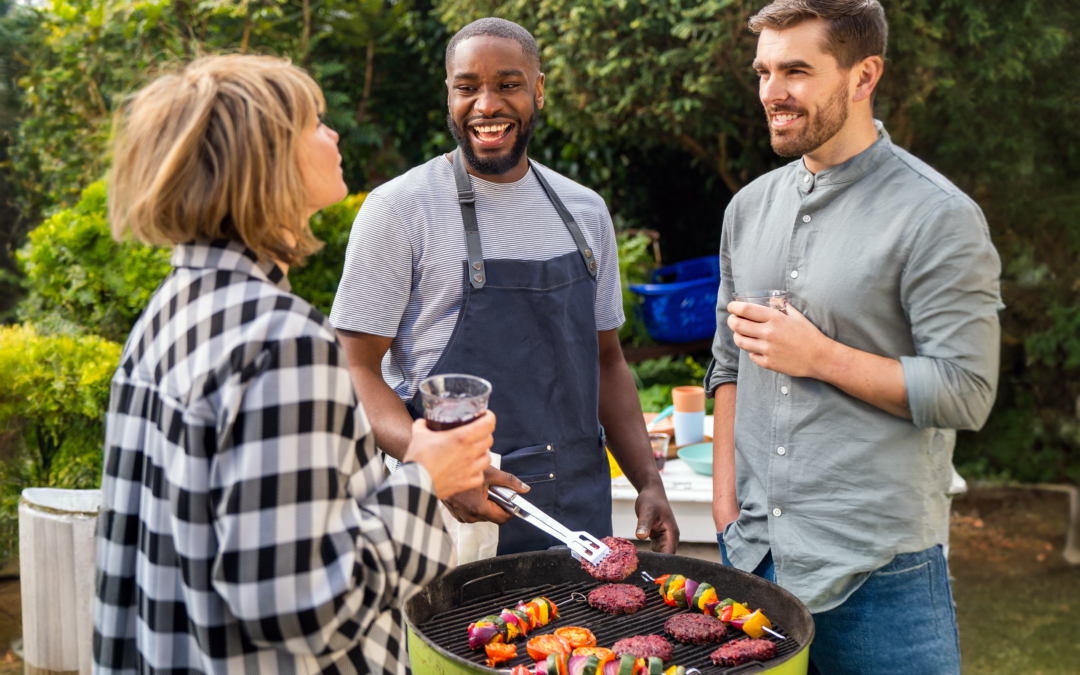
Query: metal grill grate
x,y
449,629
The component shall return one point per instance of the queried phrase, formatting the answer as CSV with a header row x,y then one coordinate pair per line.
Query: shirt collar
x,y
851,170
225,254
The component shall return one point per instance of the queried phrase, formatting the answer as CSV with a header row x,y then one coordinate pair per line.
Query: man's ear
x,y
540,91
867,73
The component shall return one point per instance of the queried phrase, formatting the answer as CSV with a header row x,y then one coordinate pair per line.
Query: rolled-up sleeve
x,y
951,292
724,367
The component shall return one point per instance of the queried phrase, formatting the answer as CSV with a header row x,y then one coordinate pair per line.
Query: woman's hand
x,y
456,459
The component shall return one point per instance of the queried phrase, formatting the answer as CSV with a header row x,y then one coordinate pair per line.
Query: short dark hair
x,y
496,28
855,29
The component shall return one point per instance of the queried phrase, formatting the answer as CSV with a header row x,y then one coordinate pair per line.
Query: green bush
x,y
657,377
80,280
54,391
317,280
635,263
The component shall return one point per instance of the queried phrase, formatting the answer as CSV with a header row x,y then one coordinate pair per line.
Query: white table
x,y
689,493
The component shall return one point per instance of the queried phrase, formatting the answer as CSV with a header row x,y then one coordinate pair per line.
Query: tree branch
x,y
719,165
369,73
305,37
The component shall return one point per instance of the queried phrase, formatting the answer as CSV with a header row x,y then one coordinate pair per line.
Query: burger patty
x,y
696,629
644,646
741,651
617,598
619,564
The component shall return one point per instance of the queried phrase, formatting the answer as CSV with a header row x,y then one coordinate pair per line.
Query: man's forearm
x,y
620,413
725,504
877,380
387,414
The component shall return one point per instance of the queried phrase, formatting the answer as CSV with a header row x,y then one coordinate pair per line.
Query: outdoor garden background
x,y
652,104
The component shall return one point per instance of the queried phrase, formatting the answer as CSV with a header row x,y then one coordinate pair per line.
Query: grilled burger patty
x,y
696,629
617,598
741,651
619,564
644,646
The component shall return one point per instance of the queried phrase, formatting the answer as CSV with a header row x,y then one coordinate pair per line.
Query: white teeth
x,y
784,117
496,129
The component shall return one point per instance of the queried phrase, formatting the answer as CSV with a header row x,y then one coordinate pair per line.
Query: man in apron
x,y
483,262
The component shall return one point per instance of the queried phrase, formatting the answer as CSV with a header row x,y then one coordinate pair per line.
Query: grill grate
x,y
449,629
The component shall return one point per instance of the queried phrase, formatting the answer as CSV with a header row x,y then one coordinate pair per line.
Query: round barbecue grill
x,y
438,617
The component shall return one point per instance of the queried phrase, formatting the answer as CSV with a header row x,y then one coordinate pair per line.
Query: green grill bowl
x,y
698,457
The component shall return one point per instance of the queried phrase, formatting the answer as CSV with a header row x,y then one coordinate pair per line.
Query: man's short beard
x,y
819,130
495,166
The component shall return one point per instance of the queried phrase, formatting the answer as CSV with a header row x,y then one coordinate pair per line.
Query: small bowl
x,y
698,457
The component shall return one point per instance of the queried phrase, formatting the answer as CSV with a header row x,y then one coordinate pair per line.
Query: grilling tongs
x,y
582,544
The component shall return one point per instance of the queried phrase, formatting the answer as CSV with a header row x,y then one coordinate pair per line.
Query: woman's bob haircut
x,y
210,152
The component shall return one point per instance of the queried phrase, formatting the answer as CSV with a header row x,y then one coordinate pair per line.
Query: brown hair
x,y
855,29
210,152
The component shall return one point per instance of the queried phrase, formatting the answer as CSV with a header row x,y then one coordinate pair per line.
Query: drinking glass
x,y
453,399
659,443
774,299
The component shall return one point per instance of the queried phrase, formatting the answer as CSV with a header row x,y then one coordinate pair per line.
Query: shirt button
x,y
783,390
794,274
776,512
806,219
781,450
806,178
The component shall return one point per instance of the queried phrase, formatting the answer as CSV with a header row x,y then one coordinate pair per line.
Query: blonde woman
x,y
246,526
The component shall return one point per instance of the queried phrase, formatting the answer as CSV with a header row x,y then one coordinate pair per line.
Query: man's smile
x,y
784,119
491,134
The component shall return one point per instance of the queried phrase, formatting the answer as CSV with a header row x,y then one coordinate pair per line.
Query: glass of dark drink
x,y
453,399
659,443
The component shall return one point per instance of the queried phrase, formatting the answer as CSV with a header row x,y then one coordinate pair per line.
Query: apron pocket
x,y
534,466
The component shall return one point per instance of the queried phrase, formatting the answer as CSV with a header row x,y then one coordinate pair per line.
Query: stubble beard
x,y
820,128
495,166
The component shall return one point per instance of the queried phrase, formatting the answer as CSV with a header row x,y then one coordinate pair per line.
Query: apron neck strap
x,y
587,256
467,202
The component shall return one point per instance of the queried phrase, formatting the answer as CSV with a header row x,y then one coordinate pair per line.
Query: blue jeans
x,y
901,620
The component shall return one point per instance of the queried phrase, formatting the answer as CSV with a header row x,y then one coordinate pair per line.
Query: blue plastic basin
x,y
683,308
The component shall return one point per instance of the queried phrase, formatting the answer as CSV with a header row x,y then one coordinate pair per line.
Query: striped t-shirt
x,y
404,266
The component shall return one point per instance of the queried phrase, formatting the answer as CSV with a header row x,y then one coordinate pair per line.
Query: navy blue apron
x,y
529,328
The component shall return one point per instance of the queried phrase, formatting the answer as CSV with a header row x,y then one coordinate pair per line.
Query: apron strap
x,y
467,201
571,224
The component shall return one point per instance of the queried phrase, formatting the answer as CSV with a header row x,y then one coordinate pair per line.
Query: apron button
x,y
478,278
549,447
551,475
588,253
592,266
476,266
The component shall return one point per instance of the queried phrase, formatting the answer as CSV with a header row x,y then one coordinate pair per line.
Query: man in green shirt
x,y
835,421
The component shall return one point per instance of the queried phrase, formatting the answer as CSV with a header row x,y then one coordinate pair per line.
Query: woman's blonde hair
x,y
210,152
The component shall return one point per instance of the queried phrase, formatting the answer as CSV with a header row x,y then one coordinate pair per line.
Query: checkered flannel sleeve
x,y
315,550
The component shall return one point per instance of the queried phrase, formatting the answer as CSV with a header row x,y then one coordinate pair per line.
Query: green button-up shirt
x,y
885,255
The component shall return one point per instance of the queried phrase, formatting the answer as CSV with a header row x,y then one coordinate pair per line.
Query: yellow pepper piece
x,y
754,623
671,670
613,466
738,609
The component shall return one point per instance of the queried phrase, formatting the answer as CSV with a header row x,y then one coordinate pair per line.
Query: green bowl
x,y
698,457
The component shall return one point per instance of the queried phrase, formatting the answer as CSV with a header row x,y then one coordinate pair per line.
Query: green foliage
x,y
80,280
656,378
635,263
317,280
54,391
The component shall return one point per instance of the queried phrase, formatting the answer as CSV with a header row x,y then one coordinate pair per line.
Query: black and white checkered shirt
x,y
246,527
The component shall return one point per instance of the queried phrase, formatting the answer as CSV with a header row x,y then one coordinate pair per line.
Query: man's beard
x,y
495,166
819,129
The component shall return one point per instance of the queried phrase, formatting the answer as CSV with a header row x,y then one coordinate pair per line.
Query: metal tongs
x,y
582,544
